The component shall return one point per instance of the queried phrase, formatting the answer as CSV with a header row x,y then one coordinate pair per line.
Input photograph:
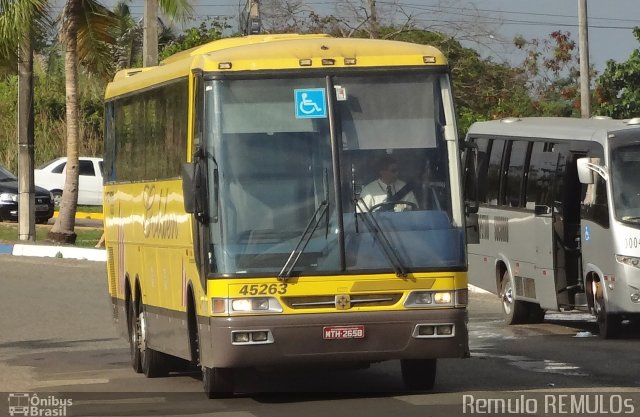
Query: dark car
x,y
9,199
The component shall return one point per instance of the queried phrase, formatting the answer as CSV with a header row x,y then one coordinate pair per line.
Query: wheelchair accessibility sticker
x,y
310,103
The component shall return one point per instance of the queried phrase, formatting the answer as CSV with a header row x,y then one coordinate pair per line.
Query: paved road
x,y
57,341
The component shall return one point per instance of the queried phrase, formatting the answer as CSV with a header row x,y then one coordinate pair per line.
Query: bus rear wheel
x,y
154,363
418,374
134,339
217,382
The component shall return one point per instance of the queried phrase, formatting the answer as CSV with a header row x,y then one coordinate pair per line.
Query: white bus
x,y
559,216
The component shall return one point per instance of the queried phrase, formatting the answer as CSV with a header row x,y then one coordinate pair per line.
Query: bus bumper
x,y
299,339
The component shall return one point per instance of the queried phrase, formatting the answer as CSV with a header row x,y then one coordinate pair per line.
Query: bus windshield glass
x,y
272,166
626,188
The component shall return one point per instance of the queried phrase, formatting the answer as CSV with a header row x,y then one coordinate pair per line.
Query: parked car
x,y
9,199
52,175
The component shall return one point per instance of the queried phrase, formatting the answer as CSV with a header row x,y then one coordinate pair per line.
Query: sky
x,y
496,21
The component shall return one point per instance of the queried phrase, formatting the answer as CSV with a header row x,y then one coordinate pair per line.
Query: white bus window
x,y
494,171
542,169
515,174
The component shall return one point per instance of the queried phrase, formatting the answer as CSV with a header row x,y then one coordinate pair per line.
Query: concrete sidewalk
x,y
52,251
68,252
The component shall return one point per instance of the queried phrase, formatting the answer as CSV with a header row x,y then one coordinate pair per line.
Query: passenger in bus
x,y
388,192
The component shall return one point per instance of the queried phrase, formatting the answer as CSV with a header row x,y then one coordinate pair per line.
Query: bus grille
x,y
329,301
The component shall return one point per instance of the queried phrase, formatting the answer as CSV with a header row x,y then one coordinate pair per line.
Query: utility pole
x,y
253,24
585,83
150,34
374,30
26,189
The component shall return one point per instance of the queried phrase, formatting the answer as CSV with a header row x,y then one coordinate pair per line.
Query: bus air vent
x,y
329,301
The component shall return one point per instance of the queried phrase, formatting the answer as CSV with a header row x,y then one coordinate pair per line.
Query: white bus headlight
x,y
628,260
418,299
442,298
250,305
634,293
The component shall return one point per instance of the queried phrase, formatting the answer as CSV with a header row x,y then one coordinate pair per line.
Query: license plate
x,y
343,332
42,207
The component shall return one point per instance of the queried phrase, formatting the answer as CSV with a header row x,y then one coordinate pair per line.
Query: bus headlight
x,y
418,299
246,305
634,293
628,260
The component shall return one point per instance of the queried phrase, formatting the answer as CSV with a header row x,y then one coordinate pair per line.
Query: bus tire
x,y
515,311
217,382
418,374
154,363
134,339
609,324
536,314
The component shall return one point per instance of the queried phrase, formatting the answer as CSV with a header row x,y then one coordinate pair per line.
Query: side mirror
x,y
585,174
195,190
541,210
472,229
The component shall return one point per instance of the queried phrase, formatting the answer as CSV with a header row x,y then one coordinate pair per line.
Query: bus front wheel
x,y
608,323
419,374
514,310
217,382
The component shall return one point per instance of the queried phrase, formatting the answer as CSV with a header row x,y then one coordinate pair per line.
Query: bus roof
x,y
277,52
554,127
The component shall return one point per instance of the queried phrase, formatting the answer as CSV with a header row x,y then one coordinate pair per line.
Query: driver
x,y
388,188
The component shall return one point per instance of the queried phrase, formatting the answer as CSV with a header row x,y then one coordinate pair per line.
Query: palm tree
x,y
174,9
87,35
20,23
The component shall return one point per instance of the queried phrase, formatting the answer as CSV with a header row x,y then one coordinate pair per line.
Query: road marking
x,y
140,400
536,365
62,382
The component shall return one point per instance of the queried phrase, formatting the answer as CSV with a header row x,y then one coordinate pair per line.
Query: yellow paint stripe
x,y
85,215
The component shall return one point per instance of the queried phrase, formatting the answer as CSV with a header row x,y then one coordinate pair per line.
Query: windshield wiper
x,y
303,241
373,226
634,219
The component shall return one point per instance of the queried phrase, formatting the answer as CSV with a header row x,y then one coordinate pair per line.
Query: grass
x,y
89,209
87,236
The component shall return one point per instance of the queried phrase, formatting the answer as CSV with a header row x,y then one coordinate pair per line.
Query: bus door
x,y
566,226
541,198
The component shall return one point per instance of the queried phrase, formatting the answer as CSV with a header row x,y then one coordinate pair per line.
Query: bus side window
x,y
514,181
542,169
483,166
494,171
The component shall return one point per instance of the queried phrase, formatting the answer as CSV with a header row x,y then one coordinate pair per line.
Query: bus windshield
x,y
275,173
626,188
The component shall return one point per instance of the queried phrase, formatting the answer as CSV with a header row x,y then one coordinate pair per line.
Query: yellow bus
x,y
241,229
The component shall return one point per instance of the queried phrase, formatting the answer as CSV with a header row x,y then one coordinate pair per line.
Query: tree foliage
x,y
552,70
618,89
483,89
210,29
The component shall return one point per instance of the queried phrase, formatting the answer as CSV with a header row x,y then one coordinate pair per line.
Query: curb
x,y
84,215
66,252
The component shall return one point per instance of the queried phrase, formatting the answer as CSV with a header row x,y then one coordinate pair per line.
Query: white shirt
x,y
376,192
